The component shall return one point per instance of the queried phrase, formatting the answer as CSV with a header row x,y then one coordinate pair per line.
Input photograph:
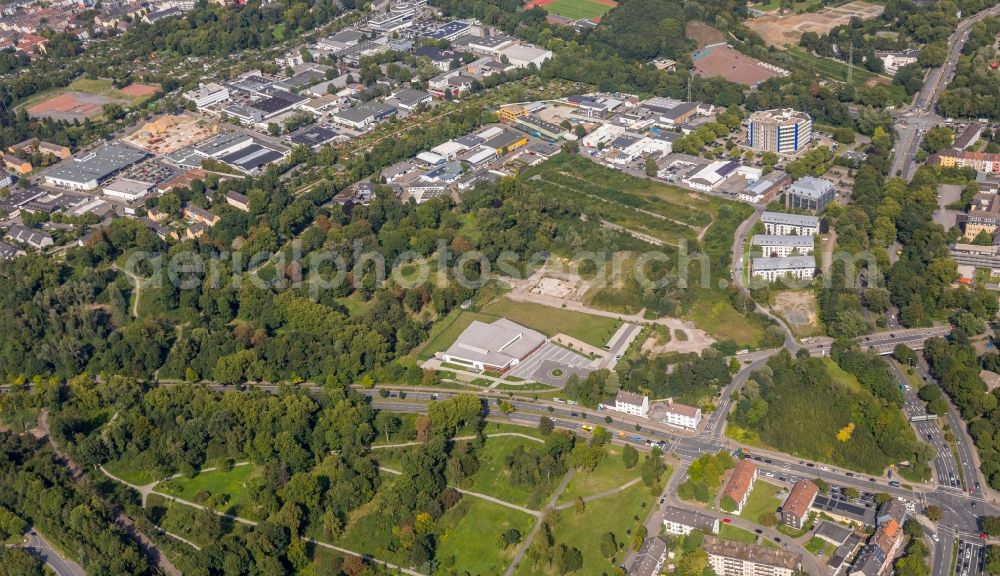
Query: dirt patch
x,y
71,106
139,90
782,30
798,308
703,34
733,65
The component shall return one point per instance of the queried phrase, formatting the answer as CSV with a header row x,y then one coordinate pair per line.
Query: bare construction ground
x,y
782,30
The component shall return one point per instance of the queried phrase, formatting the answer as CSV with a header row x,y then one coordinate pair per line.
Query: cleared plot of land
x,y
732,65
85,98
574,9
471,532
781,30
798,308
712,312
763,500
703,34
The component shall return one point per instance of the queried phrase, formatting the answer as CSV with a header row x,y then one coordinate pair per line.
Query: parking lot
x,y
552,364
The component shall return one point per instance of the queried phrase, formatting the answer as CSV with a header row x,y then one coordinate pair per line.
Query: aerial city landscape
x,y
500,288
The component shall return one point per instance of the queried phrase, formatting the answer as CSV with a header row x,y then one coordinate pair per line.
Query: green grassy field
x,y
577,9
730,532
493,477
594,330
833,69
609,474
617,514
232,482
849,381
712,312
762,500
470,535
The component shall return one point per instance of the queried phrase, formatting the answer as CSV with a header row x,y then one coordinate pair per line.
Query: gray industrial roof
x,y
788,263
782,240
810,187
791,262
365,111
496,344
97,165
832,532
789,219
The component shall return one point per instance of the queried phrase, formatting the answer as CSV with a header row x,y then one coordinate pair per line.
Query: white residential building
x,y
208,94
681,522
783,246
682,416
734,558
772,269
632,403
781,223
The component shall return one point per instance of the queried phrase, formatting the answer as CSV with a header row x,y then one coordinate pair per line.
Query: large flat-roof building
x,y
774,269
780,223
208,94
364,115
87,171
734,558
809,194
783,131
497,346
782,246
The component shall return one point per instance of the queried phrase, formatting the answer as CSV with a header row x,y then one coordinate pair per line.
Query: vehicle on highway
x,y
574,414
727,520
851,474
777,539
758,531
767,460
810,464
894,484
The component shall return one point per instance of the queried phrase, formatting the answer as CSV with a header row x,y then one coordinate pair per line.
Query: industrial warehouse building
x,y
497,347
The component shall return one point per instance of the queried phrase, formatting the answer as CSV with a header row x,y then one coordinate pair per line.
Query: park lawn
x,y
126,470
762,500
470,535
730,532
843,377
618,514
712,312
592,329
233,483
609,474
493,477
577,9
492,427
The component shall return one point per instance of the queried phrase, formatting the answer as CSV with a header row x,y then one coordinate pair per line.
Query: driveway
x,y
552,356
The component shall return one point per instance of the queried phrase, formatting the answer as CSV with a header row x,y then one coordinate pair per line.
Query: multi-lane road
x,y
912,123
37,545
